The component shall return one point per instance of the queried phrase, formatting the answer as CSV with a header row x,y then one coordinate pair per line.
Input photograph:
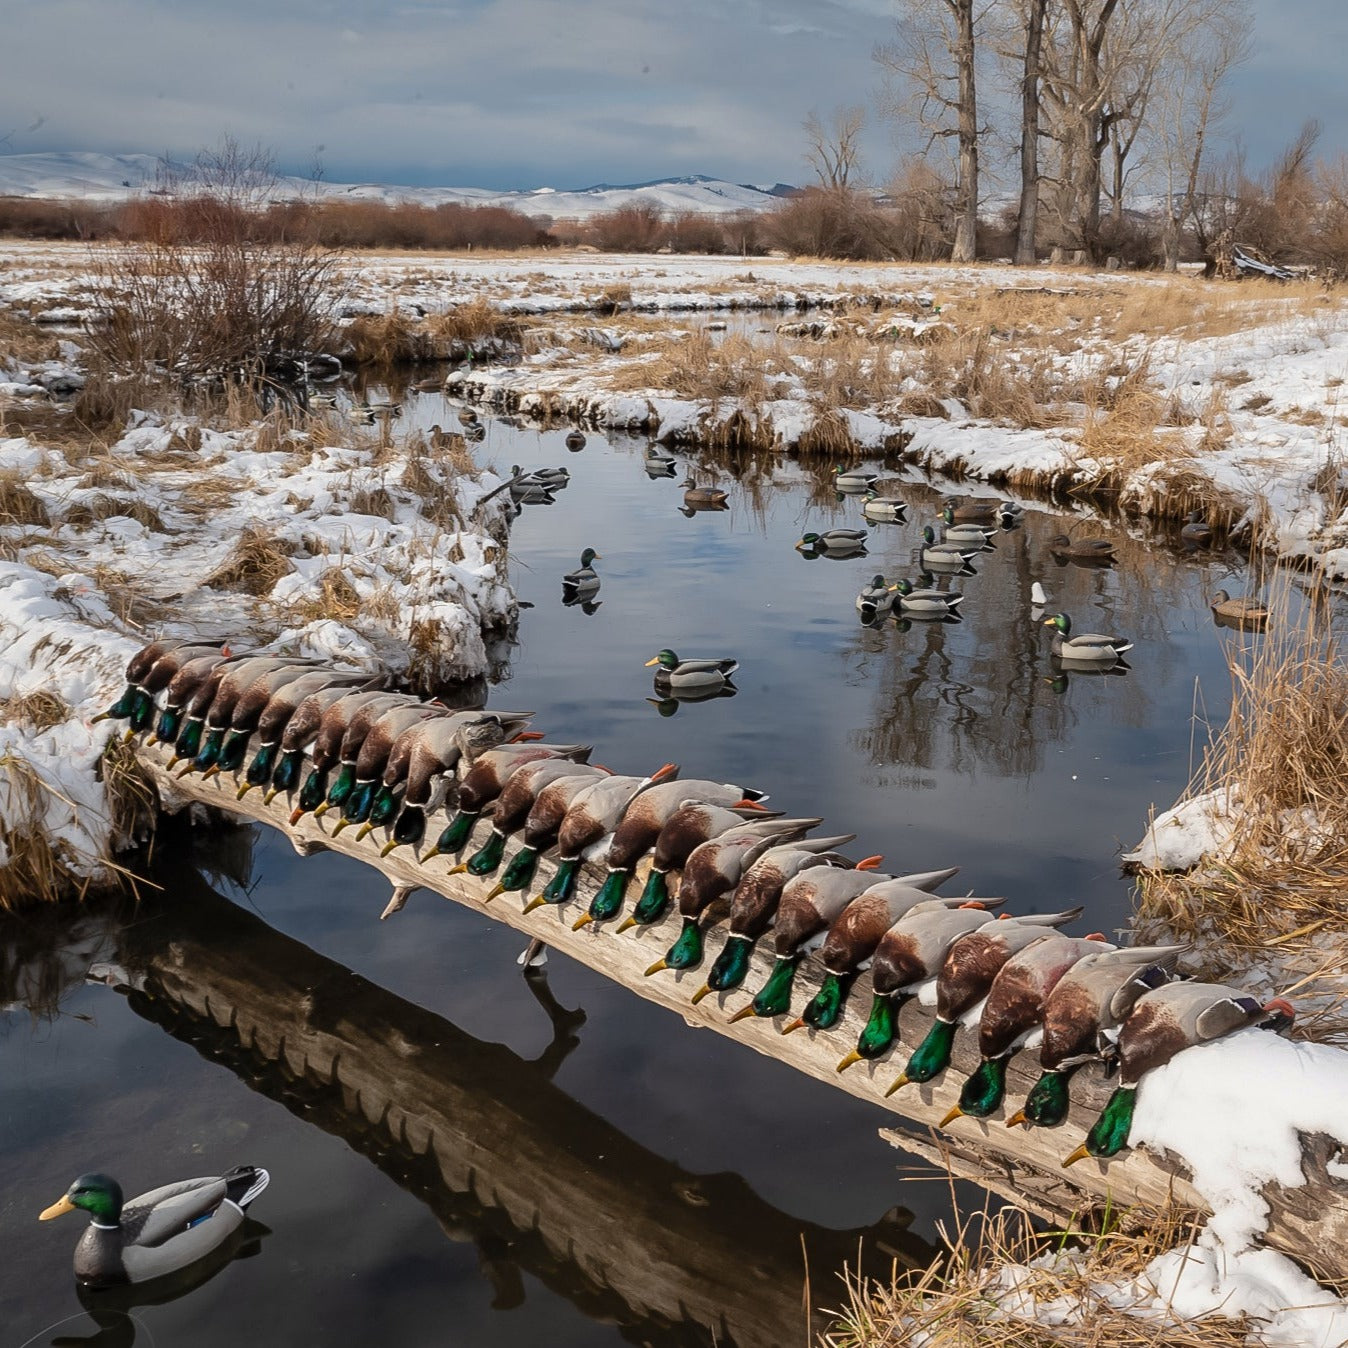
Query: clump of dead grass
x,y
18,504
473,323
965,1298
39,709
258,560
337,598
22,340
102,506
372,501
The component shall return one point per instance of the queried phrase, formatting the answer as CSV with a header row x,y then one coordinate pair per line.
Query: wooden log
x,y
501,1155
1310,1223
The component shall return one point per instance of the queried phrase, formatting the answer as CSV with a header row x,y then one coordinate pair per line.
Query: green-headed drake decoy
x,y
1163,1023
853,479
1014,1011
978,535
809,903
875,599
678,675
910,954
854,935
1082,549
149,671
320,719
1085,648
583,582
833,543
884,509
1197,532
228,732
158,1232
963,982
926,602
714,869
641,827
1082,1018
938,556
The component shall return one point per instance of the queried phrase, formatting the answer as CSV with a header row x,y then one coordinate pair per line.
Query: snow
x,y
1179,838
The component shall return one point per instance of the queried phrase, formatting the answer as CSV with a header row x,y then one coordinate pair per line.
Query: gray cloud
x,y
510,93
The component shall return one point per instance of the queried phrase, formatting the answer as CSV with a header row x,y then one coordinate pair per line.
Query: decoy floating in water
x,y
467,416
979,535
853,480
833,543
1098,551
1086,648
703,498
1162,1024
158,1232
884,509
575,440
1241,612
1082,1017
1197,532
938,556
927,601
658,463
680,676
875,599
975,509
582,583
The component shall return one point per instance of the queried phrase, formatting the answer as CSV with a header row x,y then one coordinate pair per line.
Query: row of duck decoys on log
x,y
383,759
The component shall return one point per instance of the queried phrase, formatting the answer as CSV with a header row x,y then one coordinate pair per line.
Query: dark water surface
x,y
601,1174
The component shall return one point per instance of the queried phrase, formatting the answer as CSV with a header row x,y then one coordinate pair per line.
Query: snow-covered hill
x,y
105,177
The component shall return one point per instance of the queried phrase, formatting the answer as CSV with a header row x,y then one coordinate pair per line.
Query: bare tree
x,y
833,151
1028,216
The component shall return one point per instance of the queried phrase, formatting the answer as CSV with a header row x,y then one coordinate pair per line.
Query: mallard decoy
x,y
641,827
151,669
911,953
433,750
833,543
1088,550
467,416
552,478
974,509
1197,532
693,495
583,583
321,719
1239,612
1163,1023
845,480
590,820
487,778
941,603
1082,1018
545,787
524,492
207,717
953,532
1014,1011
753,906
809,903
938,556
575,440
692,824
884,509
1087,648
875,599
282,708
964,979
657,461
854,935
675,675
181,689
713,870
341,731
1010,514
230,725
158,1232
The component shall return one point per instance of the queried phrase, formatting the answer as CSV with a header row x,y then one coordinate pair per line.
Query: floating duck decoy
x,y
583,583
964,979
938,556
158,1232
487,778
1162,1024
875,599
1082,1018
590,819
854,935
909,954
681,676
927,601
1014,1011
282,707
467,416
953,532
703,498
713,870
853,480
1088,551
575,440
1087,648
229,727
809,903
884,509
477,432
974,509
1197,532
1241,612
552,478
833,543
658,463
642,825
753,906
321,719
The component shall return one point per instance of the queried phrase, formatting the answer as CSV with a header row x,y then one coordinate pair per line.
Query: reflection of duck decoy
x,y
582,583
1162,1024
1197,532
918,603
853,480
939,556
671,702
884,509
1241,612
1086,648
833,543
684,677
875,599
703,497
1098,551
159,1232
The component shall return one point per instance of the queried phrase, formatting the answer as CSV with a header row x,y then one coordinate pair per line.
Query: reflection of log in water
x,y
484,1138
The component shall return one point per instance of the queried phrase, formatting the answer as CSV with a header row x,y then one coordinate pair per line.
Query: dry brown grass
x,y
372,501
18,505
22,340
336,598
397,338
476,321
39,709
259,559
102,506
959,1302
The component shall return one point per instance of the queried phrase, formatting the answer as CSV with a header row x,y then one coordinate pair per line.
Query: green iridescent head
x,y
881,1027
933,1053
1109,1135
356,808
314,788
686,952
1049,1099
189,738
985,1088
454,837
344,785
654,899
122,707
288,770
167,728
384,806
259,770
232,751
732,964
99,1195
562,886
826,1005
609,900
209,753
775,995
142,711
517,875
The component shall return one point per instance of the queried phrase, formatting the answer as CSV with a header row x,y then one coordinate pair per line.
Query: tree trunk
x,y
1029,135
966,222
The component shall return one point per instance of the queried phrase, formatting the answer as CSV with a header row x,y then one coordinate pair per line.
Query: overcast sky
x,y
526,93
